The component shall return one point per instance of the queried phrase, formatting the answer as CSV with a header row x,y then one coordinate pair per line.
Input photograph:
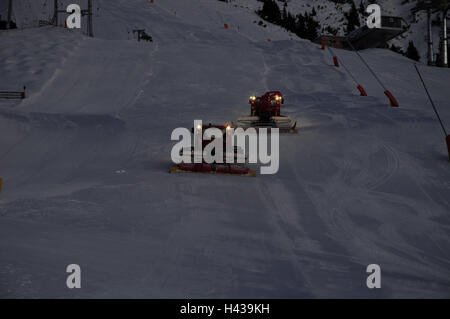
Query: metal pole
x,y
431,100
430,39
8,25
444,39
90,31
55,13
348,71
367,65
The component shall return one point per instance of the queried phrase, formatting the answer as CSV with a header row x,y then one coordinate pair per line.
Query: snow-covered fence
x,y
13,95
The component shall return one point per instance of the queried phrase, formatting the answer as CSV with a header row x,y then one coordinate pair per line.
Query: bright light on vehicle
x,y
253,98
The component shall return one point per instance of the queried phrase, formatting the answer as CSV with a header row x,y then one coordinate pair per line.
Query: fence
x,y
13,95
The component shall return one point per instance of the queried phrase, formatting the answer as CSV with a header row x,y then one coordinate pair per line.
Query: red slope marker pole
x,y
336,61
448,146
362,90
393,101
447,137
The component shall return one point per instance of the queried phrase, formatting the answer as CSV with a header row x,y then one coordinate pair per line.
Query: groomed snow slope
x,y
85,164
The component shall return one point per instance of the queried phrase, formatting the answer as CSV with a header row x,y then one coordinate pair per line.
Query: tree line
x,y
304,25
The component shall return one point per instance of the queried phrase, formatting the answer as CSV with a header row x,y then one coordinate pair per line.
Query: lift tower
x,y
431,7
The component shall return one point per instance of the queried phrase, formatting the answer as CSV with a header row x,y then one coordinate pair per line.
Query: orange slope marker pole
x,y
393,101
360,88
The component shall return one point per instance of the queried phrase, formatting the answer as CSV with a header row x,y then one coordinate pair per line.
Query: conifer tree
x,y
412,52
352,18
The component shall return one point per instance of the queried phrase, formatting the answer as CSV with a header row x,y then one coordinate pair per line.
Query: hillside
x,y
331,13
85,159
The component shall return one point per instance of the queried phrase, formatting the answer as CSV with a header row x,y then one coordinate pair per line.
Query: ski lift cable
x,y
431,100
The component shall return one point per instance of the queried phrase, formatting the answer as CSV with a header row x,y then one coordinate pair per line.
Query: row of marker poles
x,y
392,99
390,96
360,88
335,59
447,137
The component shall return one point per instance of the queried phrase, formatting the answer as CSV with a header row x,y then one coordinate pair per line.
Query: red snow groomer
x,y
266,113
213,168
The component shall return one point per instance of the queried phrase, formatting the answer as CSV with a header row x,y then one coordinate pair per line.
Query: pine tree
x,y
352,18
304,26
300,26
362,9
290,23
412,52
312,27
270,12
284,16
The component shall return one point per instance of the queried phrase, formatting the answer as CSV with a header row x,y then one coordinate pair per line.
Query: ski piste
x,y
85,156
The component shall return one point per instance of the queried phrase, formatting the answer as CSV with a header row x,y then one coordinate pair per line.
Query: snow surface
x,y
85,162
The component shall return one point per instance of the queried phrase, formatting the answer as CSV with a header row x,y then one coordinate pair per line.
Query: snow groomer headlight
x,y
279,99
